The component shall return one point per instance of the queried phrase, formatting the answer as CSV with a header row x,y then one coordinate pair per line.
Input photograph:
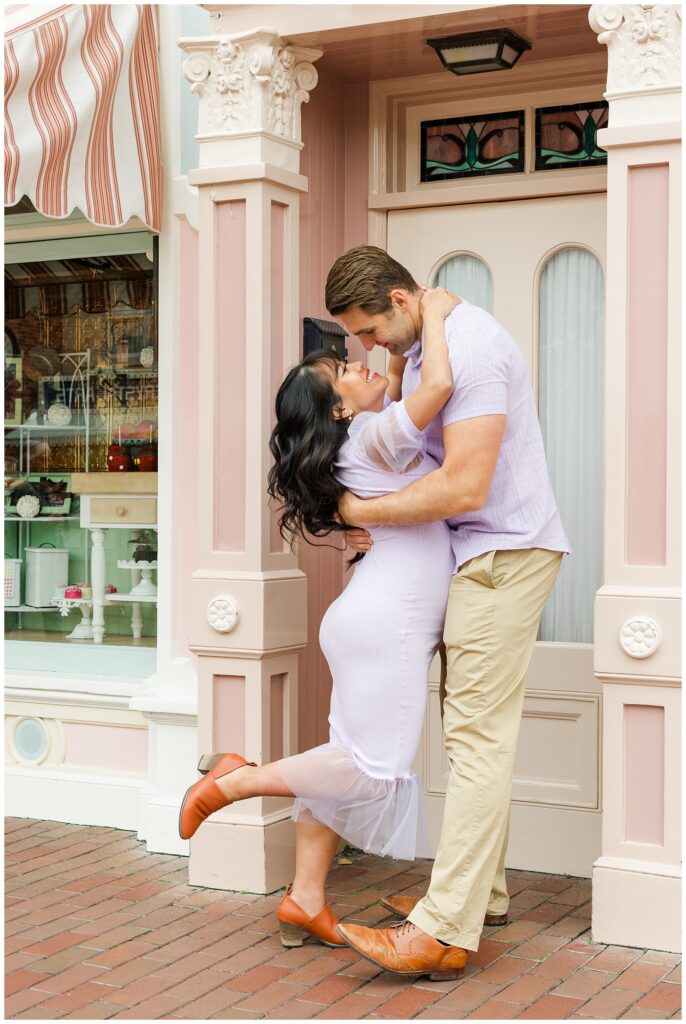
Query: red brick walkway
x,y
97,928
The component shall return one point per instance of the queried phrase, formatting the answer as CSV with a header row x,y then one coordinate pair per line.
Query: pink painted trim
x,y
228,714
105,746
278,313
647,276
644,774
229,377
185,438
276,717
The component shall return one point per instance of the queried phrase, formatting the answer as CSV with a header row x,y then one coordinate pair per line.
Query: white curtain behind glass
x,y
570,411
468,277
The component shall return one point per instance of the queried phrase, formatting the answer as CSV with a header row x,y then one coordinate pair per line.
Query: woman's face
x,y
361,390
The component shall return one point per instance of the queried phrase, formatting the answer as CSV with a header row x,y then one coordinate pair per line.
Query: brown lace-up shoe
x,y
404,905
406,949
294,922
205,797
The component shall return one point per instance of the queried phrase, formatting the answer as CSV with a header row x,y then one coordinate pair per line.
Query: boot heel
x,y
447,975
291,934
207,762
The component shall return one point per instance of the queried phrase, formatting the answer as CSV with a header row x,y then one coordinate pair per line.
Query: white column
x,y
169,702
98,583
636,881
248,613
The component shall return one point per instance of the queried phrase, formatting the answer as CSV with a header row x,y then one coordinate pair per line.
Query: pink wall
x,y
647,276
106,746
185,438
333,217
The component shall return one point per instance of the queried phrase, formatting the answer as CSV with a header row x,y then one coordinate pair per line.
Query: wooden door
x,y
555,824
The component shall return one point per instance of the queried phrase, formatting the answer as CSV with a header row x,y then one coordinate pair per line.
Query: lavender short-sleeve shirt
x,y
491,377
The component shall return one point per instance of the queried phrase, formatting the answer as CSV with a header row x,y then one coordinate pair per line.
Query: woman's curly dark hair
x,y
305,443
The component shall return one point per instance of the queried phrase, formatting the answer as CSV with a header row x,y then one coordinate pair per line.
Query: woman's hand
x,y
358,539
350,510
437,302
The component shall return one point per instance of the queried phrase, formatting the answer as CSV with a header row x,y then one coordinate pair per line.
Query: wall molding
x,y
77,797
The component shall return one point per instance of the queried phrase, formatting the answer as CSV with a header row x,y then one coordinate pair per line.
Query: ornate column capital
x,y
643,46
250,85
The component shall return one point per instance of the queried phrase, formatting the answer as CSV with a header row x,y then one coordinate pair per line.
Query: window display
x,y
81,409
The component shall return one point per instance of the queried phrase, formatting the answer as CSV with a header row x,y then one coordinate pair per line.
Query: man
x,y
493,488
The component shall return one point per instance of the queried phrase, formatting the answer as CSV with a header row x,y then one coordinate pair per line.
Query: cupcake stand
x,y
84,630
143,591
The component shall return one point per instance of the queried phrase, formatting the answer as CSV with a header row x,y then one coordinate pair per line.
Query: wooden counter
x,y
114,483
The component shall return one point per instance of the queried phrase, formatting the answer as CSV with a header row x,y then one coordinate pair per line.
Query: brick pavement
x,y
99,929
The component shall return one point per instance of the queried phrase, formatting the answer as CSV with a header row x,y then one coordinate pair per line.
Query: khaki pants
x,y
492,620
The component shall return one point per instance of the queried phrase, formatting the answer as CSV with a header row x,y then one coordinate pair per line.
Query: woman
x,y
342,427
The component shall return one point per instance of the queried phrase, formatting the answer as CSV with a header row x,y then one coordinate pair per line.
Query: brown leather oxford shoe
x,y
404,905
406,949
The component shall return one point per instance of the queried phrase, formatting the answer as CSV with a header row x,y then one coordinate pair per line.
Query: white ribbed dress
x,y
379,638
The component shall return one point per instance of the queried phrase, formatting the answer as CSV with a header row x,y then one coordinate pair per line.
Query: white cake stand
x,y
143,591
84,630
141,577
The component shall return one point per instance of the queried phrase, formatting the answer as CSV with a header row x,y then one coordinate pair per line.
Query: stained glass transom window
x,y
567,136
469,147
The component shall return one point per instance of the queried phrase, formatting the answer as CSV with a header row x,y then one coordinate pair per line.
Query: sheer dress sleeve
x,y
389,439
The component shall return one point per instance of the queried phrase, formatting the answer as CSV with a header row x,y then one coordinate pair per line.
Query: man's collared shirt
x,y
490,377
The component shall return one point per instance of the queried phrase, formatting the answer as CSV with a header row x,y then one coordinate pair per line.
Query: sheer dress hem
x,y
379,815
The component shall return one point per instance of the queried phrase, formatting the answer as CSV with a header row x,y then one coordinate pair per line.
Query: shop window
x,y
81,401
469,277
570,408
470,147
567,136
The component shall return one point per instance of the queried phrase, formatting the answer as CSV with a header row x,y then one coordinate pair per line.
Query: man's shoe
x,y
404,905
205,797
406,949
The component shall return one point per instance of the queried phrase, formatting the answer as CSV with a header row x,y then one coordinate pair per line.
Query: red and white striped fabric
x,y
82,111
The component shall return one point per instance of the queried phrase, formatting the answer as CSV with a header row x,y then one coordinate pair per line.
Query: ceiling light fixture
x,y
493,50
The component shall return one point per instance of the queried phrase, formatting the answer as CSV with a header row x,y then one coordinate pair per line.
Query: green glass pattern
x,y
472,146
568,136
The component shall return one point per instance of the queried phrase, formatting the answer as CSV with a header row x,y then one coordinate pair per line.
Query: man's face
x,y
394,331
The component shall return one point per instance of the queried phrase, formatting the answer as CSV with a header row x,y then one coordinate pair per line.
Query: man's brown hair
x,y
363,277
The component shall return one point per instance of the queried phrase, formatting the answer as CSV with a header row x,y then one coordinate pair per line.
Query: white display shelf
x,y
67,428
131,598
29,608
41,519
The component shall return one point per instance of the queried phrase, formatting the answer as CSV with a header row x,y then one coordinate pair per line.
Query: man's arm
x,y
460,485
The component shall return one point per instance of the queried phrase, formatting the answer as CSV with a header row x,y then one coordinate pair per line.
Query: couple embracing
x,y
436,473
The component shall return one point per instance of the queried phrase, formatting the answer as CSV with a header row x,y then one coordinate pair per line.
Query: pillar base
x,y
639,908
245,858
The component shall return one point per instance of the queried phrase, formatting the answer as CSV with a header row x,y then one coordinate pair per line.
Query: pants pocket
x,y
479,569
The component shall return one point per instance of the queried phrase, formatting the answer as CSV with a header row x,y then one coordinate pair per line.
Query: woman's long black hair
x,y
305,443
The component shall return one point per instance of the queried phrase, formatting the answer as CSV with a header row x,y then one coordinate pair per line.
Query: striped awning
x,y
82,111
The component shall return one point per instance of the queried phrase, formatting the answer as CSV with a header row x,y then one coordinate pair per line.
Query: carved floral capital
x,y
250,82
643,45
